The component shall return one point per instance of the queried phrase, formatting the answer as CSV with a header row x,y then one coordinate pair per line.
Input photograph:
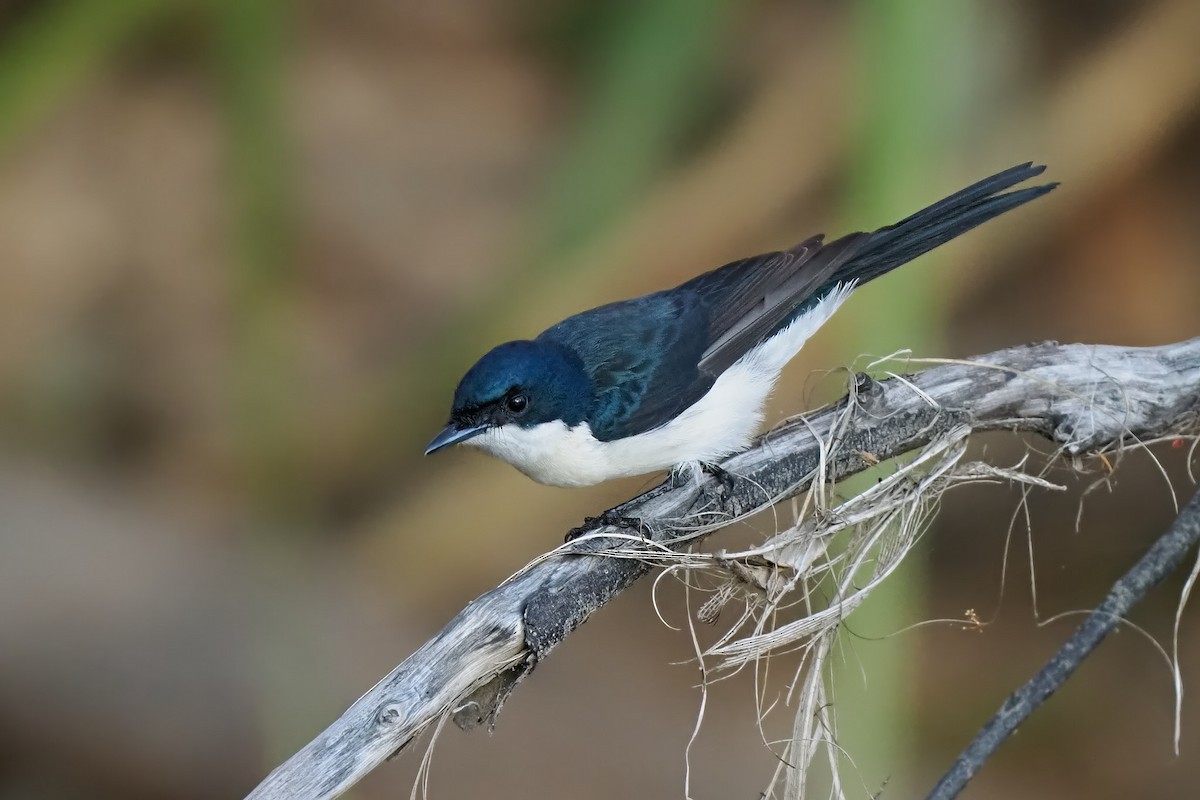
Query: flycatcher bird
x,y
680,377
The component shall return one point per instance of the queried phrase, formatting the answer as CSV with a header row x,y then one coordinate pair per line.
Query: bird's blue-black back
x,y
651,357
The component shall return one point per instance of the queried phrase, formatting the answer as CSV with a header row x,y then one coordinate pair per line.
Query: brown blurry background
x,y
248,246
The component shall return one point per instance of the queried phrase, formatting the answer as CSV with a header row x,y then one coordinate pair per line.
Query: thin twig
x,y
1159,561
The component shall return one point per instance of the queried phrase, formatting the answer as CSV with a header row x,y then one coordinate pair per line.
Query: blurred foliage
x,y
241,277
54,47
252,61
652,73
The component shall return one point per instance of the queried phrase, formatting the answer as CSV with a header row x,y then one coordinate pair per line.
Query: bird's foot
x,y
696,469
717,496
609,518
693,470
723,476
721,495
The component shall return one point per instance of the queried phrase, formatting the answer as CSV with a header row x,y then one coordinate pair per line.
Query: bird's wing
x,y
753,298
651,357
642,356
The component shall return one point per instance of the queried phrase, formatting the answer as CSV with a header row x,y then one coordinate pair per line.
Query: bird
x,y
678,379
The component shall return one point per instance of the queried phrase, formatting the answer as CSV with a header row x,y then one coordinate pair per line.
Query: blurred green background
x,y
247,247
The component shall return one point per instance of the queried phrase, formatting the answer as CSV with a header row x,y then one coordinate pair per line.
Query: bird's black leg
x,y
718,496
723,477
607,518
686,472
715,494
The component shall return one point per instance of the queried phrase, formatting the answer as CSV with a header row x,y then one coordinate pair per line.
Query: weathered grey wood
x,y
1087,398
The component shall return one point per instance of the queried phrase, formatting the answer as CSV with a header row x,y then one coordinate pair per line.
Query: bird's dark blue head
x,y
523,383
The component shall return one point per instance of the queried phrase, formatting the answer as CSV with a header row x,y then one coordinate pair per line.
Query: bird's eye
x,y
517,403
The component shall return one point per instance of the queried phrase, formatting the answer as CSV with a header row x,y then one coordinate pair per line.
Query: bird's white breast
x,y
721,422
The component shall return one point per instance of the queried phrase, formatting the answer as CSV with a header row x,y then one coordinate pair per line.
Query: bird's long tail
x,y
888,248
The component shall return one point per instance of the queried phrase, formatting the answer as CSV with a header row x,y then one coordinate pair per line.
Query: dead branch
x,y
1088,399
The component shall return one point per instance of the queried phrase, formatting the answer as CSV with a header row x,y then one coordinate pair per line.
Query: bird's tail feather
x,y
888,248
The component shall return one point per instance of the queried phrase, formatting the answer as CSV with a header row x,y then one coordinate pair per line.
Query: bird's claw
x,y
722,495
722,475
683,474
609,518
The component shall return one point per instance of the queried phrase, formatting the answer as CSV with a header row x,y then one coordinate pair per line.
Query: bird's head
x,y
523,384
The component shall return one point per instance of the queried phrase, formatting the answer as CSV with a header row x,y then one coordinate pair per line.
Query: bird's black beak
x,y
452,434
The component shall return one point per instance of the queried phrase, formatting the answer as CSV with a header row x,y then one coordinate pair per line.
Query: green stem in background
x,y
55,47
650,80
905,85
251,57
